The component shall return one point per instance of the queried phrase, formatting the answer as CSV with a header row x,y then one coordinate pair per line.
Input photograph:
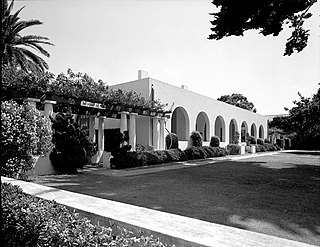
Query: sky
x,y
113,39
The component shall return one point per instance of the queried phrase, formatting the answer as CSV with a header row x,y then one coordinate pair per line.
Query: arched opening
x,y
253,130
244,131
202,125
219,128
233,127
180,123
261,132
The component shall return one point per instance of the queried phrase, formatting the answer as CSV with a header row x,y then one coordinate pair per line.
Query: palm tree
x,y
15,47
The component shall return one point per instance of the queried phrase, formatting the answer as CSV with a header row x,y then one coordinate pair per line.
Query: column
x,y
32,101
48,107
162,133
92,128
101,134
155,133
132,131
123,121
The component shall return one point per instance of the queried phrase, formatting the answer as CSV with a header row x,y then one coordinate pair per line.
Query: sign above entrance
x,y
92,105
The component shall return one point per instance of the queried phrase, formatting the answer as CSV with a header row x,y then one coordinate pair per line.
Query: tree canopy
x,y
16,49
269,16
303,123
238,100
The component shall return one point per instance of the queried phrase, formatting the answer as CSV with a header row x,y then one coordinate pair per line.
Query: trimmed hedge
x,y
172,141
214,141
260,148
204,152
280,143
30,221
233,149
260,141
149,158
196,139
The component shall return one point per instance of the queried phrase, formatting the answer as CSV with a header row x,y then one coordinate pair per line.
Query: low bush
x,y
142,148
233,149
266,140
172,141
30,221
175,155
270,147
287,143
214,141
260,141
195,153
196,139
147,158
252,140
280,143
204,152
260,148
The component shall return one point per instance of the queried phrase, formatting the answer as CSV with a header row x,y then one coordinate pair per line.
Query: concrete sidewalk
x,y
170,228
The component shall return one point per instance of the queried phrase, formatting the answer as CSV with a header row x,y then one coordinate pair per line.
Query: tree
x,y
269,16
238,100
302,125
15,48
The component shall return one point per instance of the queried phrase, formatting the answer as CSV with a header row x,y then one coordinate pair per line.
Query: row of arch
x,y
180,125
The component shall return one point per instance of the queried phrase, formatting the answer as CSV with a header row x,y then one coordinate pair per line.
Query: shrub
x,y
214,141
146,158
280,143
214,151
143,148
287,143
194,153
72,146
233,149
173,155
266,140
172,141
196,139
30,221
236,137
25,132
252,140
270,147
260,148
260,141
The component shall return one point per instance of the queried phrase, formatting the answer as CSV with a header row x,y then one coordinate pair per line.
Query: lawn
x,y
277,195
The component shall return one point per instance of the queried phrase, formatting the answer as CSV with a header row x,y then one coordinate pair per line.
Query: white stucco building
x,y
190,111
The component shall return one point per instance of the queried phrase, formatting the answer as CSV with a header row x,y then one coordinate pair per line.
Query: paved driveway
x,y
276,194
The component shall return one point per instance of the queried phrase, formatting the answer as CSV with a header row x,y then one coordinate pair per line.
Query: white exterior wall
x,y
193,104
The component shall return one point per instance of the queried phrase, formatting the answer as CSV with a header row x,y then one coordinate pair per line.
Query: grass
x,y
277,195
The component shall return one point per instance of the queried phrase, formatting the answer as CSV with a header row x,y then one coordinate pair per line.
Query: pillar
x,y
132,131
48,107
123,121
162,145
155,133
92,128
32,102
101,134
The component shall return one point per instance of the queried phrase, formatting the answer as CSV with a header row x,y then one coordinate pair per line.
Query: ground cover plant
x,y
30,221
